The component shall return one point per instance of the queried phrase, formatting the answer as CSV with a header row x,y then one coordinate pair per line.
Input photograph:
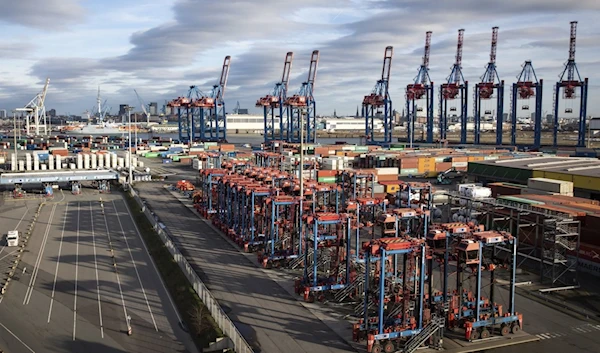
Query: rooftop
x,y
567,165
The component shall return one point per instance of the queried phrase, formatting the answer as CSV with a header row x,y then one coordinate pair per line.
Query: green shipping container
x,y
151,155
175,158
412,171
329,180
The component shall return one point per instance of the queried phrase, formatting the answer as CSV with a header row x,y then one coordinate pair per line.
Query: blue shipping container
x,y
166,161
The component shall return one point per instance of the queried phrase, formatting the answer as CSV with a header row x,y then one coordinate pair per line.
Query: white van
x,y
12,238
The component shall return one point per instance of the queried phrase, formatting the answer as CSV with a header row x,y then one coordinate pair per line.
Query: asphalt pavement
x,y
84,278
266,315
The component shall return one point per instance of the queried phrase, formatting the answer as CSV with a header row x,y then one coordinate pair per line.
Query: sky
x,y
161,47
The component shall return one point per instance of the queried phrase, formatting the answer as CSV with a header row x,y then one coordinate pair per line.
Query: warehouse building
x,y
583,172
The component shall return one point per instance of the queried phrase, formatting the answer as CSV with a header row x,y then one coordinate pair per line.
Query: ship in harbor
x,y
105,128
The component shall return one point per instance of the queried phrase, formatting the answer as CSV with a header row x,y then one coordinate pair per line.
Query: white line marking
x,y
17,338
58,262
7,255
36,267
96,265
153,264
76,274
545,336
116,272
134,266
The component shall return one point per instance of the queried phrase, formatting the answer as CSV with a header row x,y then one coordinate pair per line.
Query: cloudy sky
x,y
160,47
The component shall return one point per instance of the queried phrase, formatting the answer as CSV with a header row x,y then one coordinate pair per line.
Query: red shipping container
x,y
443,166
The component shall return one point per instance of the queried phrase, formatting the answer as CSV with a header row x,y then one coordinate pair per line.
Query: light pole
x,y
15,167
301,178
129,151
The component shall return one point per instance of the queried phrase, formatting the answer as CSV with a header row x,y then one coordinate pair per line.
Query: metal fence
x,y
223,321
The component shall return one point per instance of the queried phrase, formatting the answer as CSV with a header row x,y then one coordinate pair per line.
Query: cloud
x,y
188,46
44,14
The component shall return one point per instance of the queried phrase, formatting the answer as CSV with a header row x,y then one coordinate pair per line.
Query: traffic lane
x,y
166,315
154,305
269,317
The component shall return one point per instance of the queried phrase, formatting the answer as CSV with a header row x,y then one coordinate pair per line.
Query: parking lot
x,y
84,279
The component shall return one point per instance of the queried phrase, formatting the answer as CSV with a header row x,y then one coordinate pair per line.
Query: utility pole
x,y
129,151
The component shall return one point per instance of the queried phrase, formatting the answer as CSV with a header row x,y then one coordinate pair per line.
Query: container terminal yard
x,y
299,246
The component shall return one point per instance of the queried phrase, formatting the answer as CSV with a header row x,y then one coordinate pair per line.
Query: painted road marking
x,y
17,338
76,274
36,267
116,272
96,266
135,266
57,263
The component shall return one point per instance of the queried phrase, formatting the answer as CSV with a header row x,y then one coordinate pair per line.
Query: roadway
x,y
265,313
71,293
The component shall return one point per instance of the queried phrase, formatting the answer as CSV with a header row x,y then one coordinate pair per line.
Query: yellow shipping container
x,y
392,189
558,176
538,174
585,182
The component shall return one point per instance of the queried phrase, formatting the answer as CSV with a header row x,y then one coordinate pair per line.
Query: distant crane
x,y
274,107
484,90
301,105
36,120
569,85
143,106
379,104
526,87
421,88
186,119
455,87
212,125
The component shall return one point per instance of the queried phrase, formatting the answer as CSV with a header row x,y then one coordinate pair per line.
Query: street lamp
x,y
129,109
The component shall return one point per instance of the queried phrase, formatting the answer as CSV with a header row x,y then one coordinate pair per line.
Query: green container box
x,y
412,171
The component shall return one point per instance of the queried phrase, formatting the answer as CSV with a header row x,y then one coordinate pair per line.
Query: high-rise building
x,y
153,108
122,109
52,113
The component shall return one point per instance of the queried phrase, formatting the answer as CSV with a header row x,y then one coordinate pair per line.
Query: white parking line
x,y
116,272
76,274
153,264
96,266
58,262
134,265
17,338
36,267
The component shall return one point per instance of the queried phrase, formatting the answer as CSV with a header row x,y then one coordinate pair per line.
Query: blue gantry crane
x,y
378,105
212,125
275,111
527,87
186,113
302,107
569,82
455,88
421,88
484,91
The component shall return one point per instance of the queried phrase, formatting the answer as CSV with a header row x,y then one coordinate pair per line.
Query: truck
x,y
12,238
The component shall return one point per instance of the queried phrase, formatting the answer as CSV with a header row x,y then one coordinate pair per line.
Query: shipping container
x,y
551,185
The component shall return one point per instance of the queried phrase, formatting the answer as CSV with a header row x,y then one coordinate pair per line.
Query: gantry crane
x,y
484,91
271,102
526,87
570,83
455,87
302,107
36,120
146,113
186,113
212,125
379,104
422,87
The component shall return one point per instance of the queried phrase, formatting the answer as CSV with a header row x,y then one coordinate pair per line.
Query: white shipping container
x,y
551,185
114,160
27,161
51,164
387,171
13,162
463,187
79,161
43,166
196,164
94,161
460,164
101,161
72,166
121,162
58,162
36,162
86,161
21,166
